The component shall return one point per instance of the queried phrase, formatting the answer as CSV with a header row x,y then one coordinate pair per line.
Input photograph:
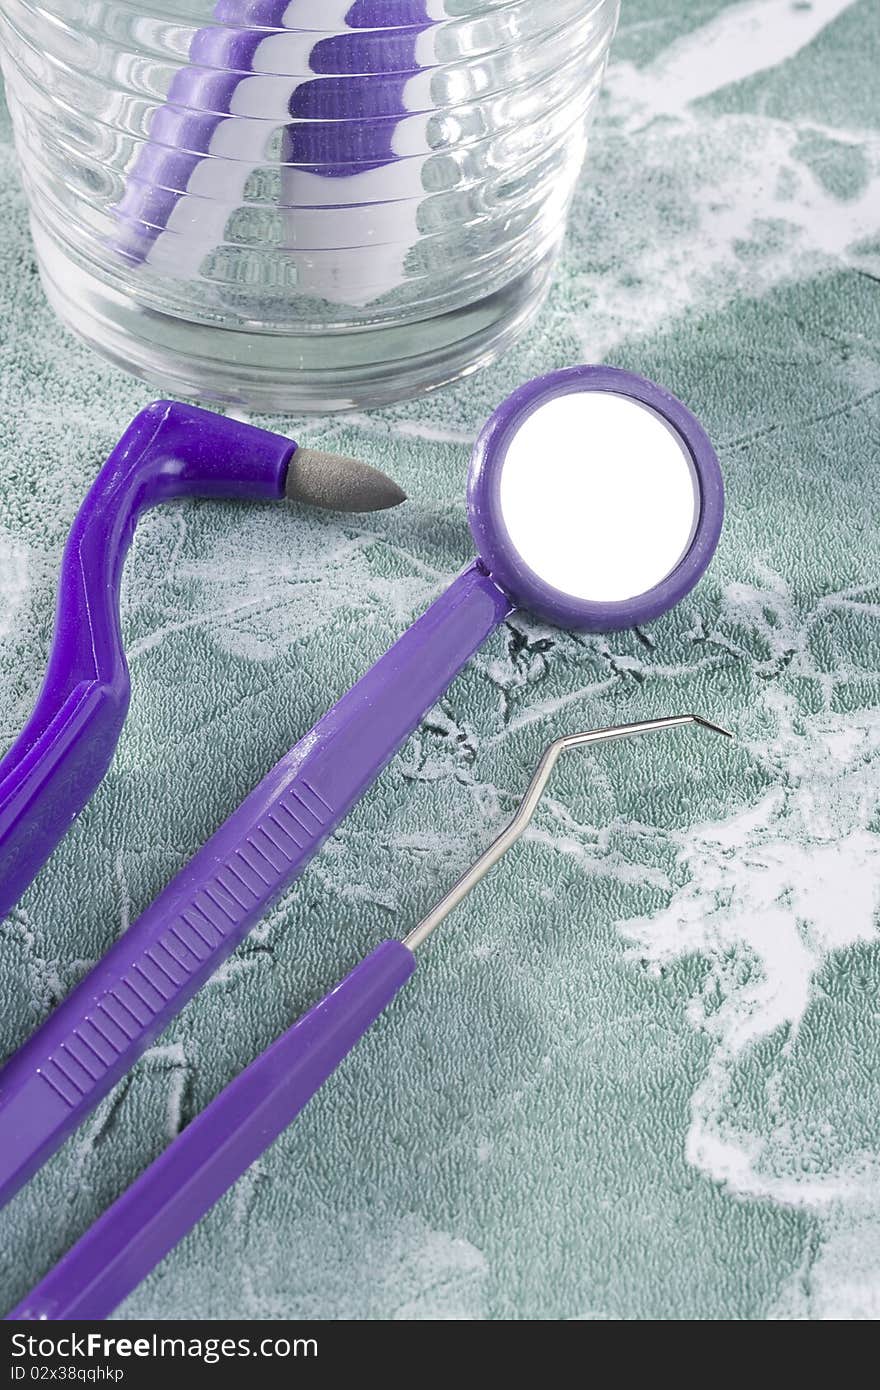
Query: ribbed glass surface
x,y
302,166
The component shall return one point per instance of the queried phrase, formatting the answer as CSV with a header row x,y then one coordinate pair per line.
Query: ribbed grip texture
x,y
205,1160
215,918
145,979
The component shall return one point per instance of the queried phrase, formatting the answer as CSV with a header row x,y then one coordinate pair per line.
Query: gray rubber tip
x,y
339,484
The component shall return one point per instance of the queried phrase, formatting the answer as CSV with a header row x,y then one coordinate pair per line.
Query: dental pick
x,y
204,1161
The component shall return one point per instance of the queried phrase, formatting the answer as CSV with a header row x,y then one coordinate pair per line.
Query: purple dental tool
x,y
169,450
596,500
263,64
203,1162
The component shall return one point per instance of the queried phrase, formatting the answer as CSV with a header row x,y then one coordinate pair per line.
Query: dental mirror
x,y
595,498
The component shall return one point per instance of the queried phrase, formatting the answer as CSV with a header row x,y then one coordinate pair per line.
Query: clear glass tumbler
x,y
300,204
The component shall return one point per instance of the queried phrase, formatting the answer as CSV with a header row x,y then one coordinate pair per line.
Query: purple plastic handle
x,y
98,1032
174,1193
61,755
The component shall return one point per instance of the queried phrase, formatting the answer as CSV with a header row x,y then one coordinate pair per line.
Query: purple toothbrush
x,y
262,65
169,450
596,500
203,1162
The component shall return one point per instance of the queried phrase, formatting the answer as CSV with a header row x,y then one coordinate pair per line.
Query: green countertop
x,y
636,1076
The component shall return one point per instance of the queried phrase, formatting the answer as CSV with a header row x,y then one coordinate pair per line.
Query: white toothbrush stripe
x,y
287,55
265,97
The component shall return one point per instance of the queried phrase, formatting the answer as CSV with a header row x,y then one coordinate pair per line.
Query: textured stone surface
x,y
636,1076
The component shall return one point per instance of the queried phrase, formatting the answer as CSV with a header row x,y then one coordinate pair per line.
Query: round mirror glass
x,y
599,495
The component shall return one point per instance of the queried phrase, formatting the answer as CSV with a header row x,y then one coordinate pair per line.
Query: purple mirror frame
x,y
497,551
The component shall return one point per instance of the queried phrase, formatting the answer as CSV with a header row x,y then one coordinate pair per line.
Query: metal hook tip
x,y
529,801
715,728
